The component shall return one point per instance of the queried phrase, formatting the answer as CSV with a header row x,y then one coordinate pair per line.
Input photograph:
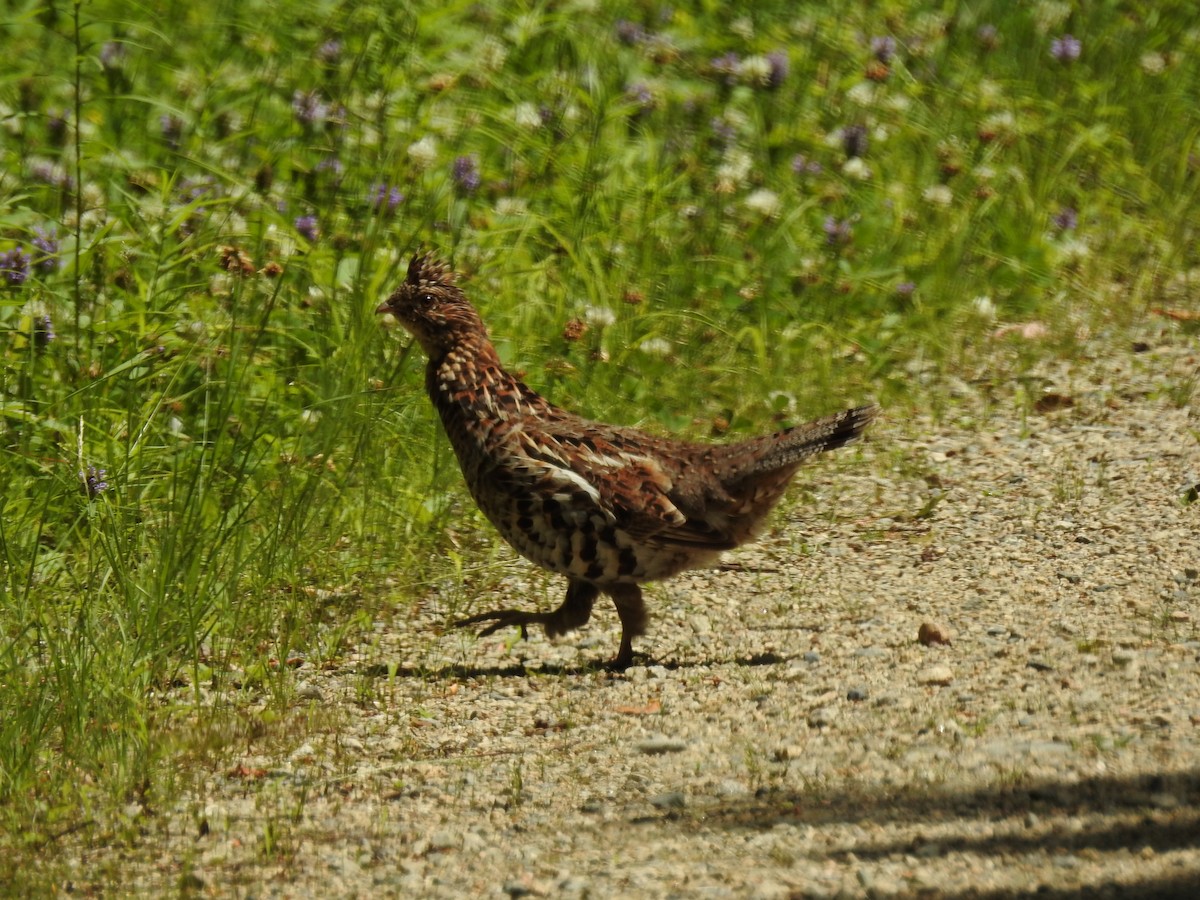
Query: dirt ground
x,y
965,663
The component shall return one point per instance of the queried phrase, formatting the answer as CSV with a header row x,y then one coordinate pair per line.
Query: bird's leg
x,y
574,612
632,612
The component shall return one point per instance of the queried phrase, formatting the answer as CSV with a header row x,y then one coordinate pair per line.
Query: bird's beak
x,y
382,308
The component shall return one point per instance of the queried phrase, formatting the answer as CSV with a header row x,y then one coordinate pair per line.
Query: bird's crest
x,y
426,271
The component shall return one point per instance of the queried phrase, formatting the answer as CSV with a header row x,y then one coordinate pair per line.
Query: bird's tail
x,y
792,446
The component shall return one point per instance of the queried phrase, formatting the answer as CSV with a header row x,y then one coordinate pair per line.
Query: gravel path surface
x,y
965,664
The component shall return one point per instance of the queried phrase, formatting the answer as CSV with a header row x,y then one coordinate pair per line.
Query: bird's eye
x,y
426,298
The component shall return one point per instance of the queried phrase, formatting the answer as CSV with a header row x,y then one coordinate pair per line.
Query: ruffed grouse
x,y
606,506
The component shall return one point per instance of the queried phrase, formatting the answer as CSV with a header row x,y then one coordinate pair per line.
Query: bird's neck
x,y
468,381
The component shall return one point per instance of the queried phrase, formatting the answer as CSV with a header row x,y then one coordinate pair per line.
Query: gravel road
x,y
965,663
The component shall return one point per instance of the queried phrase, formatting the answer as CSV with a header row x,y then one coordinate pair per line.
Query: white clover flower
x,y
655,346
999,123
1153,63
765,203
743,27
491,54
862,94
990,91
1073,250
511,206
733,170
599,316
938,195
526,115
424,152
855,167
755,70
984,306
235,226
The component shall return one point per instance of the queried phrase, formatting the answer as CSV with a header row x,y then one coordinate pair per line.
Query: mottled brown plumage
x,y
606,506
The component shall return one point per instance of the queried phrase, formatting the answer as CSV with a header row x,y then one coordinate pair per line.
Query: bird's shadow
x,y
465,672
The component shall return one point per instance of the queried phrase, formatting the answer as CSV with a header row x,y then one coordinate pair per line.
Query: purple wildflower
x,y
837,231
329,52
1066,49
639,93
905,288
780,67
883,47
45,241
308,228
630,32
384,197
727,67
172,129
802,165
1065,219
14,266
854,140
331,166
466,173
42,331
93,481
724,129
988,37
56,126
309,108
112,56
52,174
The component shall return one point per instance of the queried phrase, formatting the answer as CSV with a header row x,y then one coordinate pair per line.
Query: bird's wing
x,y
608,472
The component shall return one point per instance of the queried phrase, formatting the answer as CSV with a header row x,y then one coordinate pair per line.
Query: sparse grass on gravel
x,y
217,470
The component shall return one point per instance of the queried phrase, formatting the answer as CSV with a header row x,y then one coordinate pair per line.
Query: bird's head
x,y
431,306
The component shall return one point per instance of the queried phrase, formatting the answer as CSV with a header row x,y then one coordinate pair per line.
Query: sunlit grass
x,y
696,222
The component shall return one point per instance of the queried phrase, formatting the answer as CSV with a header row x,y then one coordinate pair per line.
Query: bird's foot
x,y
502,618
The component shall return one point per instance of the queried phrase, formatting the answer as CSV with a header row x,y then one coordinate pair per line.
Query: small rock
x,y
822,717
857,694
731,788
931,633
812,657
791,751
669,800
870,653
656,746
306,690
938,674
443,840
304,752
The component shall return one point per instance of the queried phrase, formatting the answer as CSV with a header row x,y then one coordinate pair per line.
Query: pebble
x,y
870,653
931,633
306,690
938,674
822,717
669,800
655,746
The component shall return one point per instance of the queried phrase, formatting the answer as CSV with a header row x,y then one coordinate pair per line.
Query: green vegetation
x,y
212,455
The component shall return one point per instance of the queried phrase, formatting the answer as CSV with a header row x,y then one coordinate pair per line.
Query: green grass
x,y
264,442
